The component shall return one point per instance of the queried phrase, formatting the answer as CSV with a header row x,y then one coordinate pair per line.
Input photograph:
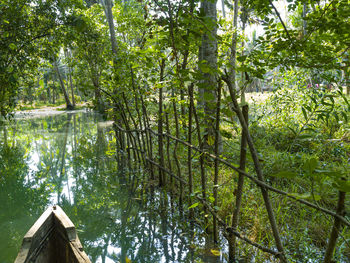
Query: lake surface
x,y
69,159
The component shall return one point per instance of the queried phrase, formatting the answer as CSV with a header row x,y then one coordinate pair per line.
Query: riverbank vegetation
x,y
264,177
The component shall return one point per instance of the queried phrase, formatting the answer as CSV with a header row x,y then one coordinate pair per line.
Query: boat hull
x,y
53,239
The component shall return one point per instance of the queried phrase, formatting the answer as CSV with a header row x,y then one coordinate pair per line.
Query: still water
x,y
69,159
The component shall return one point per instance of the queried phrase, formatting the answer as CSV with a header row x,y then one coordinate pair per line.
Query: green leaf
x,y
310,165
292,130
305,136
204,68
304,113
342,185
13,46
345,116
193,205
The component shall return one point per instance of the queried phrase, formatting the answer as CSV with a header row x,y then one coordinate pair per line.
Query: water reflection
x,y
69,159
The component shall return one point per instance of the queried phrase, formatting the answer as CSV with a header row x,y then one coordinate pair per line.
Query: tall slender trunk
x,y
67,54
99,105
223,8
216,162
107,4
177,162
201,162
109,16
189,140
69,105
208,65
336,229
160,126
239,191
47,87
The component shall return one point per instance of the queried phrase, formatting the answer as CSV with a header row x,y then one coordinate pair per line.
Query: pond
x,y
69,159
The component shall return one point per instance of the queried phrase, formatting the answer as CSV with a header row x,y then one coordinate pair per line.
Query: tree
x,y
22,27
207,60
90,44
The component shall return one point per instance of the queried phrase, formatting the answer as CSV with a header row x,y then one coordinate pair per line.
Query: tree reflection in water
x,y
69,159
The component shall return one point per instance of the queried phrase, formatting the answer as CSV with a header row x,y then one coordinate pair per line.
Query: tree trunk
x,y
189,149
70,80
160,126
69,105
208,65
223,8
99,105
216,162
335,230
107,4
109,16
47,87
239,191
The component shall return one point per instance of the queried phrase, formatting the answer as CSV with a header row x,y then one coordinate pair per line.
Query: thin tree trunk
x,y
109,16
201,161
177,162
160,126
239,191
67,54
168,146
71,86
148,134
143,145
137,139
47,87
223,8
216,161
69,105
189,140
335,230
208,59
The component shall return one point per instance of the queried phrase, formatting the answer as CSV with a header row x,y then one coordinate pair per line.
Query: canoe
x,y
52,239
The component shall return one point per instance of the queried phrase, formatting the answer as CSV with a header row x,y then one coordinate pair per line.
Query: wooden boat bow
x,y
52,239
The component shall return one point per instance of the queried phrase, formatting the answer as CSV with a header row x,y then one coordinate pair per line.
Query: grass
x,y
277,125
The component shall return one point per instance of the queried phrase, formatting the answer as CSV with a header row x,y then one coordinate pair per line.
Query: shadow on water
x,y
69,159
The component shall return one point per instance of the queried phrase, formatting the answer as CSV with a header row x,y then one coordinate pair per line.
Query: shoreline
x,y
47,111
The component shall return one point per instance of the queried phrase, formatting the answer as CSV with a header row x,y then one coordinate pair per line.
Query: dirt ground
x,y
46,111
